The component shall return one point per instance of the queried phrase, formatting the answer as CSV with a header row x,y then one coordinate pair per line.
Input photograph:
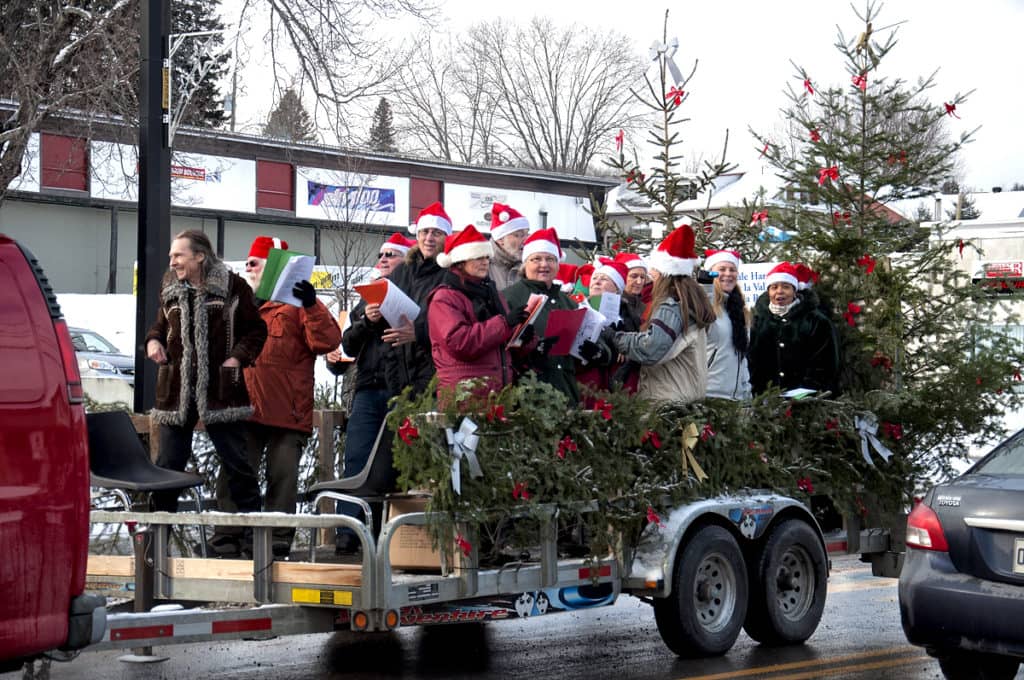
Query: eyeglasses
x,y
252,263
389,253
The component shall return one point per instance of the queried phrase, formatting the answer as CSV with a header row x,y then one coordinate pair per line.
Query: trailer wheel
x,y
705,612
788,586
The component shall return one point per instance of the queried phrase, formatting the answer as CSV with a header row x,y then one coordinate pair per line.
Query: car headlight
x,y
100,365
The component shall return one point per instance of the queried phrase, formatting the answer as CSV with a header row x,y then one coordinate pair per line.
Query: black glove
x,y
304,291
590,351
544,346
527,334
516,316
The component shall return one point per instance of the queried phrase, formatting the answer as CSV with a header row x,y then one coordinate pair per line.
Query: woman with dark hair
x,y
671,346
468,320
728,336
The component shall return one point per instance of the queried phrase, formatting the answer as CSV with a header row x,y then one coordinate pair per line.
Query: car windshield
x,y
1005,459
87,341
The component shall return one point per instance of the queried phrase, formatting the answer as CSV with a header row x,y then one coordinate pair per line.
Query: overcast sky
x,y
744,48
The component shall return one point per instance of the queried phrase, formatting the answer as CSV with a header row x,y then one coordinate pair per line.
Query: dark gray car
x,y
98,357
961,589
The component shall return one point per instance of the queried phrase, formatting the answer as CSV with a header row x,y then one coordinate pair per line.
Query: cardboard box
x,y
410,546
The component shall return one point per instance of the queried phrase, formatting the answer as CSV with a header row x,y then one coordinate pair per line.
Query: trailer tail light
x,y
924,530
76,395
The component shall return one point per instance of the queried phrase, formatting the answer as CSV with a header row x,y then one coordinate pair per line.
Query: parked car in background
x,y
961,590
44,473
98,357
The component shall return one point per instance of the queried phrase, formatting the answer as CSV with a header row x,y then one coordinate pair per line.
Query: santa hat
x,y
674,255
467,244
398,243
542,241
566,274
433,217
505,220
783,272
805,276
713,257
616,271
583,274
261,246
632,261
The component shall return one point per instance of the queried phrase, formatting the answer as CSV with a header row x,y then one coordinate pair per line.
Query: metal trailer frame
x,y
382,597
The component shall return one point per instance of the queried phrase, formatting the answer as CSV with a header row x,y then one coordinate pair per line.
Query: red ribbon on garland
x,y
652,517
407,431
805,484
861,81
604,408
951,109
815,135
519,491
676,95
465,546
867,262
565,446
496,413
761,217
808,86
829,173
707,433
852,309
652,437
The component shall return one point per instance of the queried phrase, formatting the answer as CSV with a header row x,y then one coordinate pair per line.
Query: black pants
x,y
229,441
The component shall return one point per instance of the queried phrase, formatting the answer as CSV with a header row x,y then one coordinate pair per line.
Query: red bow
x,y
838,217
618,140
604,408
951,110
465,546
652,517
652,437
852,308
617,245
804,484
807,86
832,424
676,95
519,491
815,135
407,431
707,432
634,176
893,430
788,413
829,173
960,246
565,446
867,262
880,359
861,81
761,217
497,412
893,158
764,150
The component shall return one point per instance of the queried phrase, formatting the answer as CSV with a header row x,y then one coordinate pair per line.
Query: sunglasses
x,y
252,263
389,253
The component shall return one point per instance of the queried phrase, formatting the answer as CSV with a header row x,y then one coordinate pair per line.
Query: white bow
x,y
867,427
462,443
669,50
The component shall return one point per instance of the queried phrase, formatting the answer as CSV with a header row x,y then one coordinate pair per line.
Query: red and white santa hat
x,y
505,219
632,261
783,272
805,276
616,271
566,274
433,217
398,243
261,246
713,257
674,255
467,244
542,241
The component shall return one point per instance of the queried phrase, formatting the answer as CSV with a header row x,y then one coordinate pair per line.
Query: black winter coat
x,y
413,364
362,341
796,350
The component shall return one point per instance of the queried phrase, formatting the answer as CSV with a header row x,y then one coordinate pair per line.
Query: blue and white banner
x,y
369,199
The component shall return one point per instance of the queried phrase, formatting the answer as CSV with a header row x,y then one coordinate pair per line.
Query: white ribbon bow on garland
x,y
462,443
669,50
867,427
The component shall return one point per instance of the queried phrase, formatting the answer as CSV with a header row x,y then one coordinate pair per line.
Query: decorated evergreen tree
x,y
290,120
205,107
382,132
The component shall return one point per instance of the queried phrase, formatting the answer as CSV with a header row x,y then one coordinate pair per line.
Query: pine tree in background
x,y
965,208
290,120
920,342
382,132
205,107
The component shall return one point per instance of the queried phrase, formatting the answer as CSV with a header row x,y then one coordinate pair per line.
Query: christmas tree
x,y
382,132
290,120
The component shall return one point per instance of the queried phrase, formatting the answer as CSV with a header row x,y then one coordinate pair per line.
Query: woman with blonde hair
x,y
671,346
728,336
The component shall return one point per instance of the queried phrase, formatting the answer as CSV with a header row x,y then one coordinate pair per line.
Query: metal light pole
x,y
154,228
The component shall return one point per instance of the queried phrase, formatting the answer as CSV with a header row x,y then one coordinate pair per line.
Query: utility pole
x,y
154,227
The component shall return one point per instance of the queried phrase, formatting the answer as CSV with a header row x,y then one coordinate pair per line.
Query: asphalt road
x,y
859,637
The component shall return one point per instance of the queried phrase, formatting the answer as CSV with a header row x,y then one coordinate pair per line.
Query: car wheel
x,y
705,612
959,665
788,586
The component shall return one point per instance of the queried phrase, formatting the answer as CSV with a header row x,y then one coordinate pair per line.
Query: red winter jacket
x,y
464,347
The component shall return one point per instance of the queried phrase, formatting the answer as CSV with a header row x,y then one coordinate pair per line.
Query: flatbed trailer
x,y
756,561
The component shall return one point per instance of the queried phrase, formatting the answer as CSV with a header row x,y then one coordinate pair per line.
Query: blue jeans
x,y
369,408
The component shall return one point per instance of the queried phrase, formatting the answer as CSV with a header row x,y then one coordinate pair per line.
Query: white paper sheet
x,y
298,268
397,304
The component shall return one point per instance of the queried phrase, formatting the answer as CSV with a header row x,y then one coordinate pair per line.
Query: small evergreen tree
x,y
382,134
205,106
965,209
290,120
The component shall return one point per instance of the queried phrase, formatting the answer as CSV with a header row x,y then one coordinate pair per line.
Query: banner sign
x,y
197,174
351,198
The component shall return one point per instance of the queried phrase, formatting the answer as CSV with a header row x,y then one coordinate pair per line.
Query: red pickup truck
x,y
44,473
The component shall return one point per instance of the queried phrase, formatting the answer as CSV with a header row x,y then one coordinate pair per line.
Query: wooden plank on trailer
x,y
100,566
110,565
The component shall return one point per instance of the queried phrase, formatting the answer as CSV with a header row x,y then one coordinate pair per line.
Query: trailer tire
x,y
788,586
705,612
